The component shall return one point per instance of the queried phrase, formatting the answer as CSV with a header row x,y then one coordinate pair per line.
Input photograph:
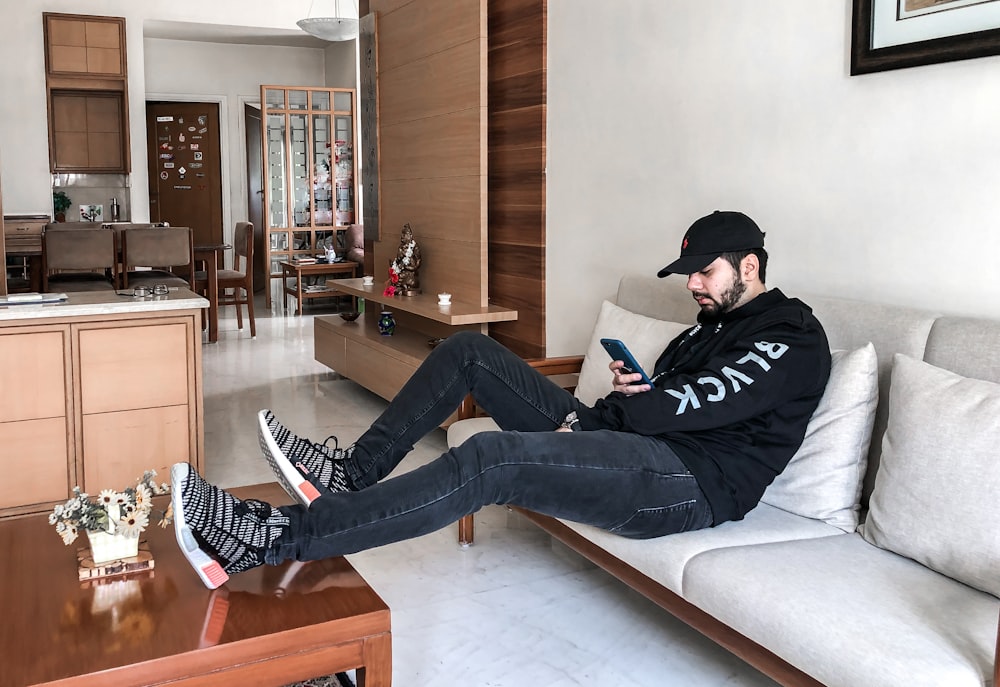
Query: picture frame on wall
x,y
894,34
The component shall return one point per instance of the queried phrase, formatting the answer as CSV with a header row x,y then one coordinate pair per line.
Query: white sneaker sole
x,y
297,486
209,570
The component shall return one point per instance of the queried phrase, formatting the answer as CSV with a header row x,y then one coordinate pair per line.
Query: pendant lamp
x,y
336,28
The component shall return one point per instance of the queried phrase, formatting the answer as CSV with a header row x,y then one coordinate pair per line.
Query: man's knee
x,y
466,345
466,338
484,450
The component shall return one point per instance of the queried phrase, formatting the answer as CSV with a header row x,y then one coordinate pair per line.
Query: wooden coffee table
x,y
346,269
268,626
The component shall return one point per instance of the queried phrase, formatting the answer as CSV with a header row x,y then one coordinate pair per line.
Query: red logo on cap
x,y
685,244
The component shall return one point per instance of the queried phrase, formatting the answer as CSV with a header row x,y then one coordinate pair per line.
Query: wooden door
x,y
185,173
255,193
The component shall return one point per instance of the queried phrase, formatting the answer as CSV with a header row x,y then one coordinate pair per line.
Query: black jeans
x,y
626,483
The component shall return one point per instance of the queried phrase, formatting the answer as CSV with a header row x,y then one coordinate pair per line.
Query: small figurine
x,y
403,278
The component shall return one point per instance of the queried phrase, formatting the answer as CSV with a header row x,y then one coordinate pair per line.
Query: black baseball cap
x,y
721,232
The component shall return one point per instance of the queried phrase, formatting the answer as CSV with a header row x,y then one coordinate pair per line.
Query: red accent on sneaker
x,y
213,574
215,619
309,491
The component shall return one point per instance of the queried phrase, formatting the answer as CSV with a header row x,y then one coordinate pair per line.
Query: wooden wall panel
x,y
409,30
434,208
517,260
432,135
507,222
519,90
436,147
511,57
477,207
521,22
450,80
516,131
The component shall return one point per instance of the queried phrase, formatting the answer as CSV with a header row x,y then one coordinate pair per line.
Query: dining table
x,y
209,254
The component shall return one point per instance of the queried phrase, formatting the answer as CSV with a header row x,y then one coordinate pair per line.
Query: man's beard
x,y
726,302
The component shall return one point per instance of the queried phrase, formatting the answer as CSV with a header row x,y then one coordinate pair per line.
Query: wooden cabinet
x,y
86,79
22,247
87,131
135,390
310,171
22,234
95,401
34,415
84,45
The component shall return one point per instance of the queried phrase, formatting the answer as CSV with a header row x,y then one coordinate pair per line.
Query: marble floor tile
x,y
516,609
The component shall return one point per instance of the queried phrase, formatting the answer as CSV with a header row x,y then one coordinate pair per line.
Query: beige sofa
x,y
798,588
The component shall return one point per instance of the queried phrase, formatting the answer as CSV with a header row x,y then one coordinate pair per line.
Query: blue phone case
x,y
619,351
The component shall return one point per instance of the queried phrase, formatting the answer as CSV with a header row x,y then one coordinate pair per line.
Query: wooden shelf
x,y
405,345
426,305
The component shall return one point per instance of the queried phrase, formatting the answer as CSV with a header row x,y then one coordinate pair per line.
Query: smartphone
x,y
619,351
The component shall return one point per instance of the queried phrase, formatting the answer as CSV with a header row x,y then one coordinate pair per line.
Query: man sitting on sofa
x,y
728,407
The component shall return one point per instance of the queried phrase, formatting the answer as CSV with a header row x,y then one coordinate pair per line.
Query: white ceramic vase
x,y
105,547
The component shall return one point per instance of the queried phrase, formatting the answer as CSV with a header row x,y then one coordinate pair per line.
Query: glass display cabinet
x,y
310,172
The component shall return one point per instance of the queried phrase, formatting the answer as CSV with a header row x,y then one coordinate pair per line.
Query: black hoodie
x,y
732,396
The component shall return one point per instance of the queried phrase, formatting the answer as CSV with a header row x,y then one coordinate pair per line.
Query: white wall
x,y
878,187
342,65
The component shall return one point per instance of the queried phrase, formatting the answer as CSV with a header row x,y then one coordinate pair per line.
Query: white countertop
x,y
85,303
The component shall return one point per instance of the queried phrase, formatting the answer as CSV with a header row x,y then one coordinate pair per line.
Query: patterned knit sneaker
x,y
209,522
305,469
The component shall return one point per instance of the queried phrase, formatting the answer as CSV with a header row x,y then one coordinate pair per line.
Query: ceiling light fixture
x,y
335,28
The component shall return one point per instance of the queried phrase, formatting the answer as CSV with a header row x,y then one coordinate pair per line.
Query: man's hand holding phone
x,y
629,376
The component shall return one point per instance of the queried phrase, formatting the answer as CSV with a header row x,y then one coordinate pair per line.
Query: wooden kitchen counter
x,y
96,390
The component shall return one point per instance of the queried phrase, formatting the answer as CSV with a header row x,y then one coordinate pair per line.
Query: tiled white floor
x,y
514,610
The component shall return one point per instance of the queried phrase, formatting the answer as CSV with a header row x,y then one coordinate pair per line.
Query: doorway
x,y
185,167
255,192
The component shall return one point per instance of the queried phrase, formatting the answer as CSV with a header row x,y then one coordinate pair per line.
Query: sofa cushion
x,y
645,336
459,431
849,613
935,493
663,559
823,480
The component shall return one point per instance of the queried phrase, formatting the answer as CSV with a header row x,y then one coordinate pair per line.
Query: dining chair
x,y
354,244
239,279
167,253
75,259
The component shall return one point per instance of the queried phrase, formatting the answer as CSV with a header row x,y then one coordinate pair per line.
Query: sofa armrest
x,y
564,371
556,366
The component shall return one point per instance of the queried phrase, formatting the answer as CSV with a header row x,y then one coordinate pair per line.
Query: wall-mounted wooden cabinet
x,y
86,131
86,79
77,45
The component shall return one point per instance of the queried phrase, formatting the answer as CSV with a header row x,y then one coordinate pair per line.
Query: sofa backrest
x,y
964,345
969,346
850,324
